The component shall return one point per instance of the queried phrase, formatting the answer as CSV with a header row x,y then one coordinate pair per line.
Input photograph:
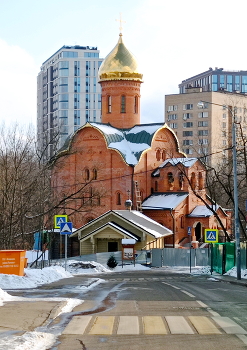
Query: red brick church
x,y
103,165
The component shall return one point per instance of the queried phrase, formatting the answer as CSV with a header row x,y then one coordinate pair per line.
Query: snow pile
x,y
205,270
233,272
33,278
29,340
82,267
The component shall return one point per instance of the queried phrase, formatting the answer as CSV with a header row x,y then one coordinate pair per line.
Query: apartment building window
x,y
172,108
172,117
188,151
187,116
203,150
188,125
237,83
223,142
222,81
223,133
63,101
76,68
87,84
187,142
87,115
77,84
94,84
244,83
173,125
200,123
187,133
224,125
224,115
94,115
63,68
87,101
229,83
202,114
88,67
214,82
77,117
99,101
202,132
187,106
203,142
76,101
69,54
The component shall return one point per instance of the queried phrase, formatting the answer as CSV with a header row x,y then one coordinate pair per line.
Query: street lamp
x,y
201,105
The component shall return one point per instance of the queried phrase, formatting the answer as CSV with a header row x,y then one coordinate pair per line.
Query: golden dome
x,y
119,64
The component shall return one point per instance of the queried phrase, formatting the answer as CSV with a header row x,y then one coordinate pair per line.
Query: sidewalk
x,y
230,279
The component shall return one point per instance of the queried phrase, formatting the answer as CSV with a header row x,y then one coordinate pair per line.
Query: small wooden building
x,y
105,233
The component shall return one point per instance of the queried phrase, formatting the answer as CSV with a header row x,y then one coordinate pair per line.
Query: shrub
x,y
112,262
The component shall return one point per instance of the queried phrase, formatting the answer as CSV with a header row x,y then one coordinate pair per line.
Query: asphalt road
x,y
148,310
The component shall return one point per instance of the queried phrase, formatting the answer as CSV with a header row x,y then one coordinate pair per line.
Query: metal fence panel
x,y
202,257
156,257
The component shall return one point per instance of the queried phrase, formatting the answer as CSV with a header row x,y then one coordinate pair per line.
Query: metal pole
x,y
235,189
65,253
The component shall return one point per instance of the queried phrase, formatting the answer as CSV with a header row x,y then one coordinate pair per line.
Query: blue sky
x,y
172,40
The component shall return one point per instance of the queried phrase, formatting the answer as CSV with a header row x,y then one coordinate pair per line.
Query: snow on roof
x,y
152,227
202,211
187,162
129,142
164,200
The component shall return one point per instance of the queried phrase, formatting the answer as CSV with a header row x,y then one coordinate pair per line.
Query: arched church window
x,y
156,186
118,198
87,174
123,104
193,181
163,154
181,180
158,155
95,174
136,105
109,104
200,180
170,178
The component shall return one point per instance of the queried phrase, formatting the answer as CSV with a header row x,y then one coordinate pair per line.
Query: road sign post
x,y
189,233
66,229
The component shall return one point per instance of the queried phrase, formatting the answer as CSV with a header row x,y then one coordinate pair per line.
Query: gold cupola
x,y
119,64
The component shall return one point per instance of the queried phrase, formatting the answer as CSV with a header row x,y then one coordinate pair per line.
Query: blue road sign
x,y
58,219
65,228
211,235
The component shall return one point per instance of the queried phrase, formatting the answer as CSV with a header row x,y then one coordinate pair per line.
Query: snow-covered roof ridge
x,y
187,162
149,225
166,200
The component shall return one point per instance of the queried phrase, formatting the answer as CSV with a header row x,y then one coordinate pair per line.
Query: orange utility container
x,y
12,262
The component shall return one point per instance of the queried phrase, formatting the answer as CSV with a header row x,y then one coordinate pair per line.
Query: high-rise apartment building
x,y
205,132
68,95
217,79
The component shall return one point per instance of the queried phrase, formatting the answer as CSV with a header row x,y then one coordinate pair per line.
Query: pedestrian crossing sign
x,y
65,228
58,219
211,235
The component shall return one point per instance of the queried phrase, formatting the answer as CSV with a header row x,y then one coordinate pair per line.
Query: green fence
x,y
223,257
